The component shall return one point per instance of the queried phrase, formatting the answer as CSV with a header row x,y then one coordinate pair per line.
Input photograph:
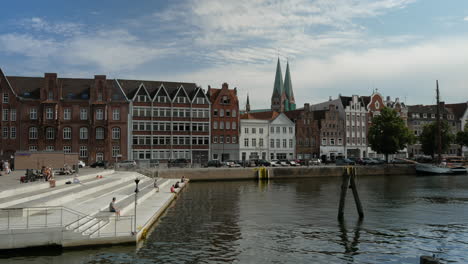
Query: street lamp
x,y
136,198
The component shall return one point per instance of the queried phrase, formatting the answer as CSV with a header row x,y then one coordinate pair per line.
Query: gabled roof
x,y
458,109
131,86
431,109
269,115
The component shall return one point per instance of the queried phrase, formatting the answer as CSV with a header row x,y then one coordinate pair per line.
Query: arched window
x,y
67,133
50,133
83,133
33,133
116,133
99,133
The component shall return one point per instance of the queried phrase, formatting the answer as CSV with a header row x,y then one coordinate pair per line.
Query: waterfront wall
x,y
207,174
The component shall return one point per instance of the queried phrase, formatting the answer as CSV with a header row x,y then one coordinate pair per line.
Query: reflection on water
x,y
294,221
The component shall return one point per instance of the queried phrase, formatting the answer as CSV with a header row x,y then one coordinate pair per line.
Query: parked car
x,y
315,161
263,163
213,163
284,163
293,163
357,160
275,163
182,163
232,164
127,164
344,161
369,161
81,164
380,161
100,164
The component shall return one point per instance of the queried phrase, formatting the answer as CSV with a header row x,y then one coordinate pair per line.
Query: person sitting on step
x,y
113,208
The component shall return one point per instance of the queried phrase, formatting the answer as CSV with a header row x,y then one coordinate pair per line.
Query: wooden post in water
x,y
428,260
349,180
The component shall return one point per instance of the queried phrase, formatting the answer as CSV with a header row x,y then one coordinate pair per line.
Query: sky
x,y
347,47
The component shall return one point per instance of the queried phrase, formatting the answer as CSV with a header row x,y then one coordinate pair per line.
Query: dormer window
x,y
181,100
200,100
50,95
162,99
141,98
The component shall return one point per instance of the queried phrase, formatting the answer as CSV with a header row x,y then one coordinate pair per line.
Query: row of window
x,y
272,143
306,142
339,142
9,113
160,154
229,112
67,114
166,140
229,125
273,130
83,150
433,116
67,133
166,126
11,132
165,99
225,139
141,111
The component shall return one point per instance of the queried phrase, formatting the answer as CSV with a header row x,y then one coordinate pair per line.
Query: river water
x,y
294,221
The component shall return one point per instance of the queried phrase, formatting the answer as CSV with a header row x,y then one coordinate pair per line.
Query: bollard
x,y
428,260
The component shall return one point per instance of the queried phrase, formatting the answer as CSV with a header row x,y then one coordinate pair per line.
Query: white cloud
x,y
28,45
60,28
466,18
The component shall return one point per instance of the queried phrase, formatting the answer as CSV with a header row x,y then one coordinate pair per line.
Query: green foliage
x,y
388,133
428,138
462,137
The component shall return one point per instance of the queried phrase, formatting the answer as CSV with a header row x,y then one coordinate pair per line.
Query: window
x,y
33,113
50,148
284,143
13,132
272,143
215,139
277,130
221,139
234,140
260,130
424,115
5,98
49,113
116,133
215,112
234,124
50,95
5,114
32,148
234,113
215,125
84,114
272,130
254,142
13,114
83,133
162,99
228,125
277,143
228,113
67,114
5,132
115,151
50,133
290,143
254,130
221,112
340,141
83,151
66,149
246,142
260,143
228,139
432,115
225,100
290,130
246,130
284,130
67,133
221,125
332,141
99,114
99,133
116,114
33,133
324,141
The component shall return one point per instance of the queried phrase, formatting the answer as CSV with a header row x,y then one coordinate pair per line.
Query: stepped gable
x,y
130,87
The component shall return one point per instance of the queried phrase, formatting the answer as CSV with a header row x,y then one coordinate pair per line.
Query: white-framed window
x,y
49,113
234,140
254,142
215,139
67,133
116,133
284,143
260,130
162,99
13,132
290,143
254,130
332,141
246,130
221,113
67,113
33,133
5,114
246,142
215,125
221,125
284,130
5,132
116,113
99,114
228,125
33,113
324,141
50,148
277,130
83,151
83,133
32,148
272,130
234,125
234,113
277,143
290,130
83,114
66,149
13,114
50,133
5,98
272,143
221,139
99,133
115,151
260,142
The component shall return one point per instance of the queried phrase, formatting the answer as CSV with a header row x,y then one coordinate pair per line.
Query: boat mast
x,y
439,134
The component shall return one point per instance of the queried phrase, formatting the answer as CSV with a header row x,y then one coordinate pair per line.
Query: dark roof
x,y
431,109
365,100
458,109
130,87
28,87
270,115
294,114
345,100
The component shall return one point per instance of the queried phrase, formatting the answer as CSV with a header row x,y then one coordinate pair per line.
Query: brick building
x,y
85,116
169,120
332,134
224,123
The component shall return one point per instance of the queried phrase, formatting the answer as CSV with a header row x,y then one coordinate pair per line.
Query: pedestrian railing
x,y
31,218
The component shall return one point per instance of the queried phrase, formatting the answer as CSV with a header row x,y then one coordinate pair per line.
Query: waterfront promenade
x,y
77,214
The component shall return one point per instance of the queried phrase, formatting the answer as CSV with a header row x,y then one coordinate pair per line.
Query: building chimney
x,y
99,88
225,85
307,107
330,98
50,82
235,90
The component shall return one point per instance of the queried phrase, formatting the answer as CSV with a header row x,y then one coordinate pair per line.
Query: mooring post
x,y
356,194
428,260
344,190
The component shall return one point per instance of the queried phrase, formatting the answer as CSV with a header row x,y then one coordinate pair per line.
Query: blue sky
x,y
333,46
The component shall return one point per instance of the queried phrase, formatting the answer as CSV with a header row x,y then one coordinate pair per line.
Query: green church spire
x,y
277,89
290,103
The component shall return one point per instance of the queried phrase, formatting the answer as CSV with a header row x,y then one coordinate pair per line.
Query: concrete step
x,y
82,190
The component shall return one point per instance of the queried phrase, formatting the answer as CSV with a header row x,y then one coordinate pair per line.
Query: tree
x,y
388,133
462,138
428,138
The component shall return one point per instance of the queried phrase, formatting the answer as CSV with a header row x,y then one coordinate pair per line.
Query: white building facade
x,y
356,126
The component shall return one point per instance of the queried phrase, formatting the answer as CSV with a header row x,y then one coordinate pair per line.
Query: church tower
x,y
247,105
278,93
289,102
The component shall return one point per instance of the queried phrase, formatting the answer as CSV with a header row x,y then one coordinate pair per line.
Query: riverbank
x,y
215,174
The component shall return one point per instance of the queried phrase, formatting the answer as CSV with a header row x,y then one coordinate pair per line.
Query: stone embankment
x,y
214,174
